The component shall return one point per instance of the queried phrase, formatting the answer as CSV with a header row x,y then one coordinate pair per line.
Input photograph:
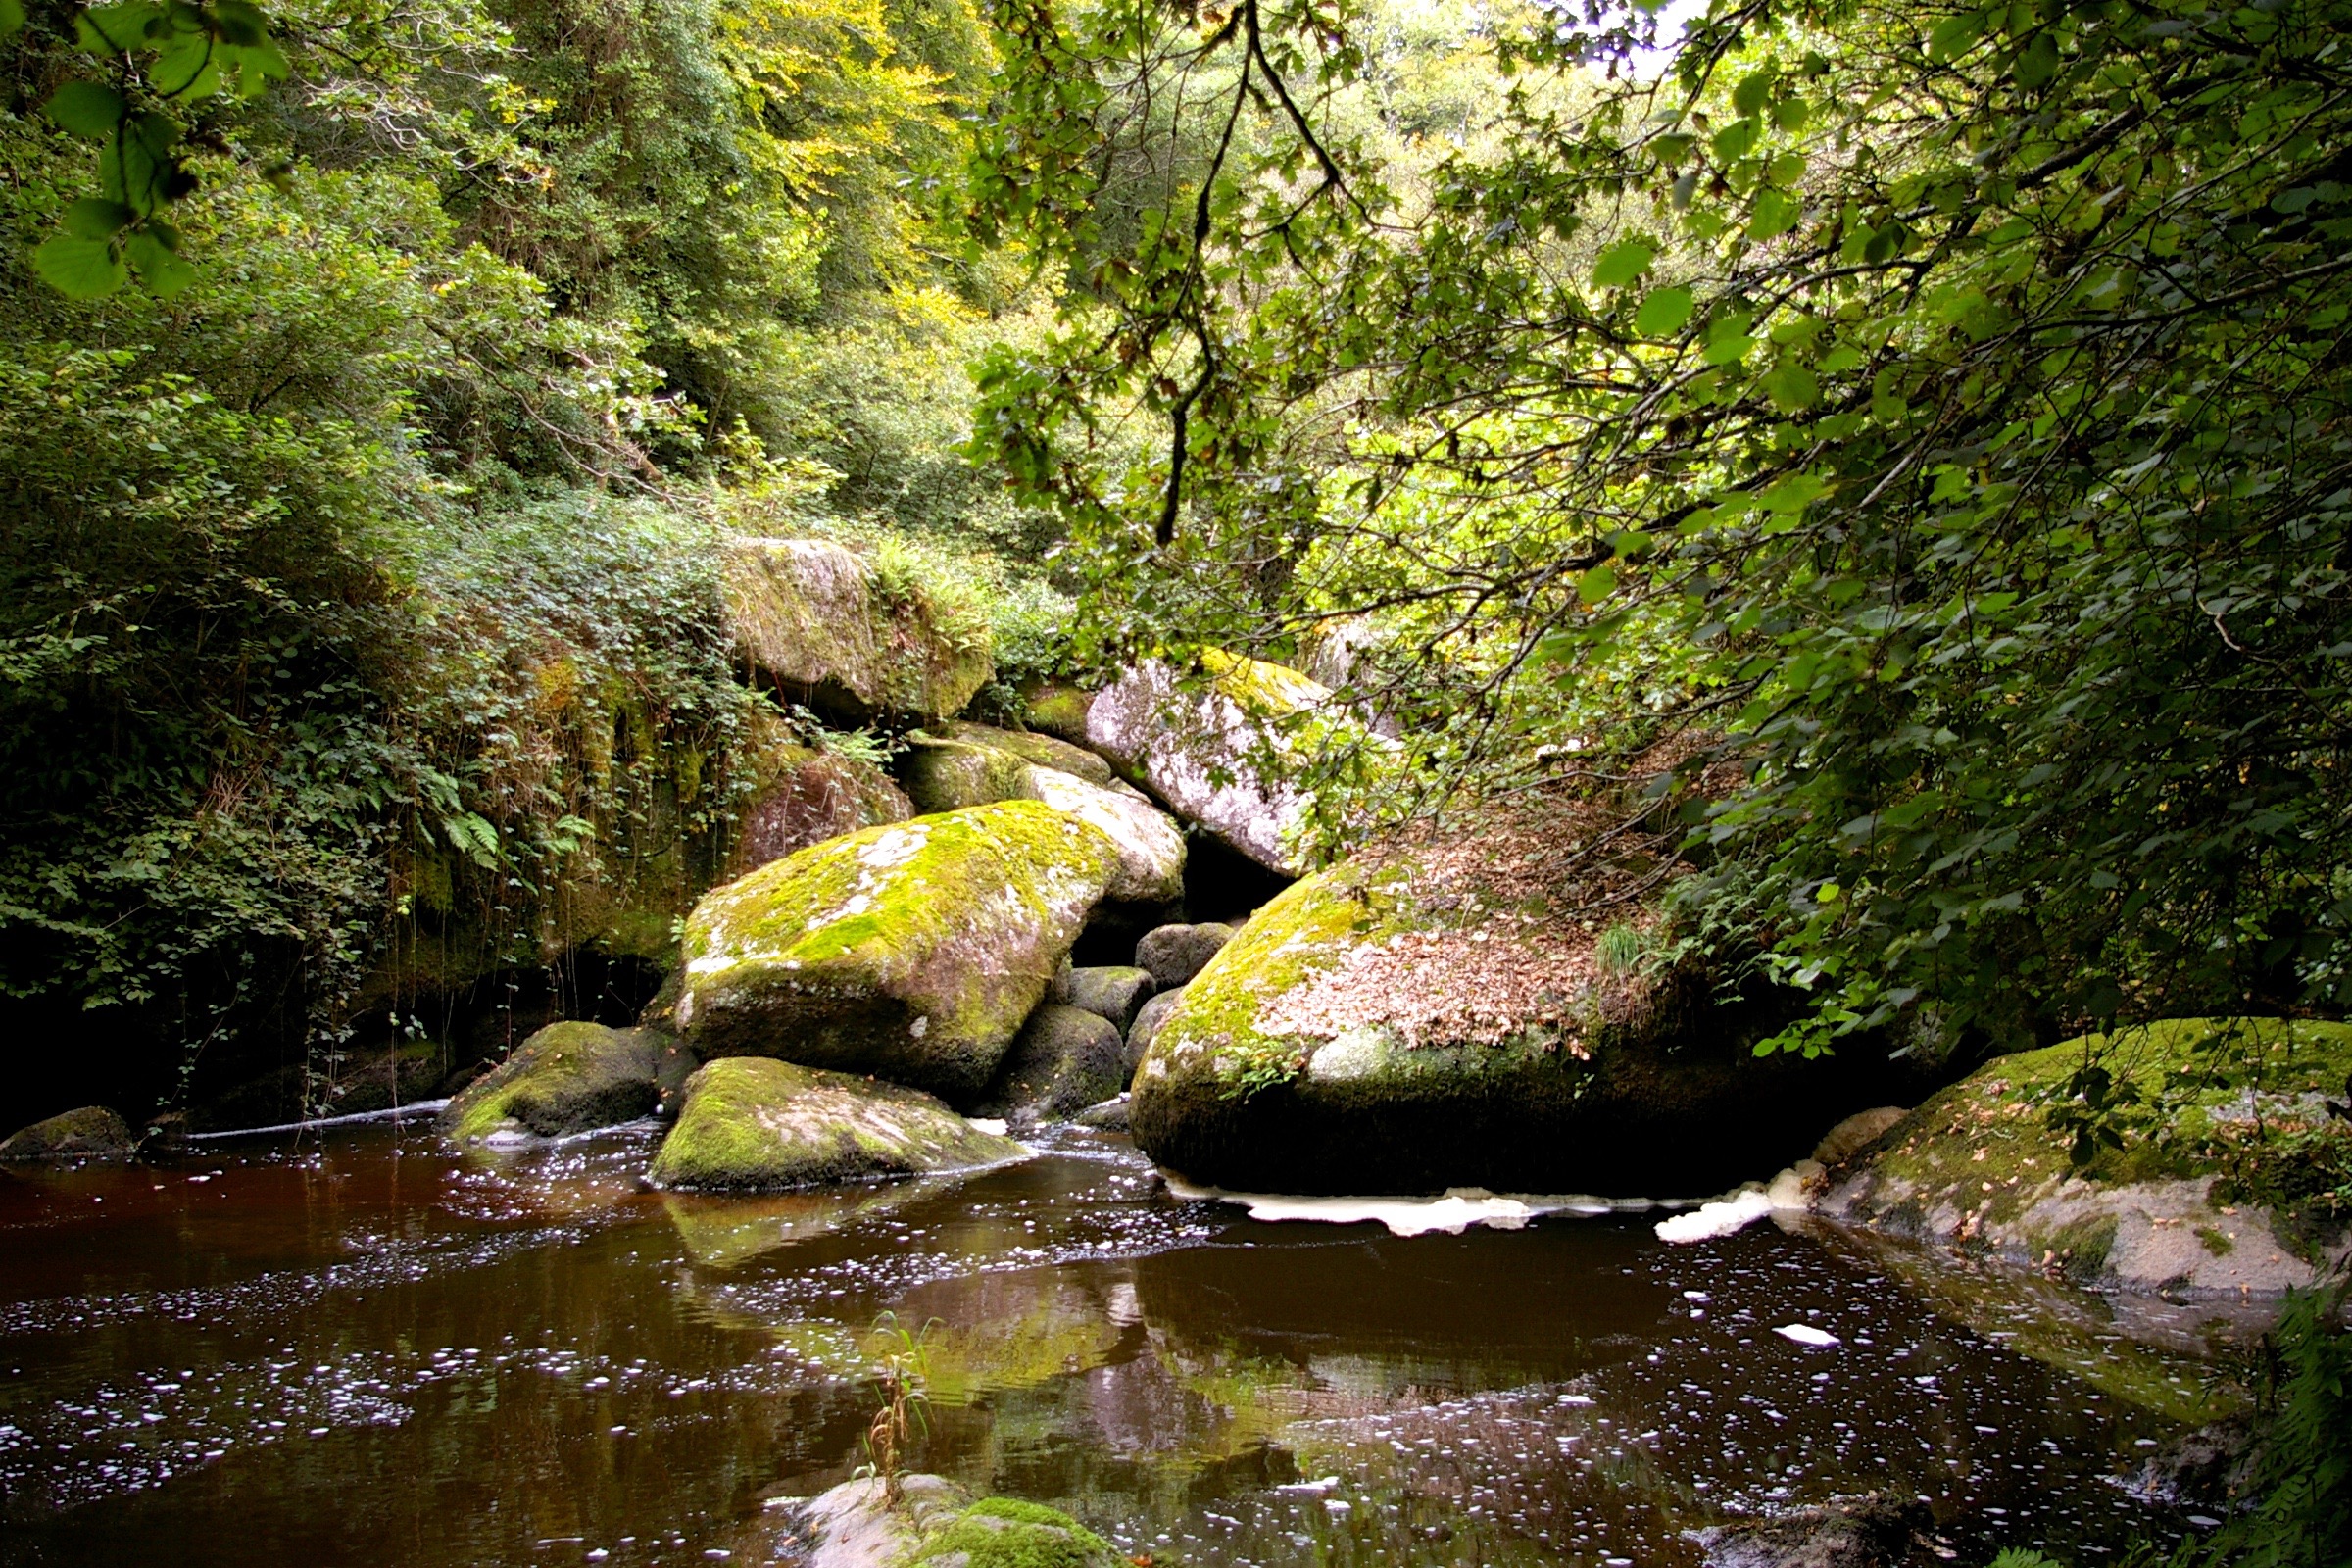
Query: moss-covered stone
x,y
1173,954
751,1123
946,775
92,1132
809,616
1981,1167
568,1078
1116,992
1058,710
1042,749
1663,1099
1063,1060
913,952
1007,1532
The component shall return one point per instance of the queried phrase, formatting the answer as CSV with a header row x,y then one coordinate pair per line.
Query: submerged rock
x,y
755,1123
1980,1166
1434,1015
1225,757
721,1230
913,952
808,616
1116,992
92,1132
1873,1532
568,1078
1064,1059
1174,954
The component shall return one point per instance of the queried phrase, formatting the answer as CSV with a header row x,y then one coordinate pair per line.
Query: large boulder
x,y
1056,709
1146,1028
1464,1009
913,952
946,775
1063,1060
804,795
568,1078
2193,1201
810,617
1226,753
92,1132
750,1123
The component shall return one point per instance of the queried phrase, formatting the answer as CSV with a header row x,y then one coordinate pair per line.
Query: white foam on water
x,y
993,1125
1784,1193
1806,1334
1455,1211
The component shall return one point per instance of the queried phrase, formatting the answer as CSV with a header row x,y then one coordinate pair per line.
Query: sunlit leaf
x,y
1622,263
78,269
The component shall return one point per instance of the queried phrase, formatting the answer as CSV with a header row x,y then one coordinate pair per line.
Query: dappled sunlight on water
x,y
379,1351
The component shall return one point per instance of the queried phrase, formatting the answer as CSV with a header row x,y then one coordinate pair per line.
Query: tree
x,y
1938,411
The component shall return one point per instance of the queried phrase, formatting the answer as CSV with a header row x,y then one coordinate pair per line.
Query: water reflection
x,y
378,1350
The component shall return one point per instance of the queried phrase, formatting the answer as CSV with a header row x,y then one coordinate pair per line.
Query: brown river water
x,y
363,1347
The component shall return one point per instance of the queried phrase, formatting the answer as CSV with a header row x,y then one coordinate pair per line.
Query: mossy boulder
x,y
804,795
1147,1026
568,1078
1056,709
812,618
92,1132
946,775
1226,747
1007,1532
1116,992
751,1123
1033,746
1063,1060
1402,1024
2180,1206
913,952
1173,954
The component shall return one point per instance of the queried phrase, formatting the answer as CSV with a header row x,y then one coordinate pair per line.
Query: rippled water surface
x,y
372,1350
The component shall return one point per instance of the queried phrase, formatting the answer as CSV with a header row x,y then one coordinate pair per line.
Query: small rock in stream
x,y
1873,1532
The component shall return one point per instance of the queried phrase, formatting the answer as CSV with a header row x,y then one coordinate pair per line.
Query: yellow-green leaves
x,y
1663,313
1622,263
1596,584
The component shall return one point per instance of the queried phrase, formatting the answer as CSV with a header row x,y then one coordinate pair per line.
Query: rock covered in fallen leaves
x,y
1474,1006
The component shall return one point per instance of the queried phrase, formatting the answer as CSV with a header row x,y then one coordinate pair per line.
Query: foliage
x,y
903,1380
1938,409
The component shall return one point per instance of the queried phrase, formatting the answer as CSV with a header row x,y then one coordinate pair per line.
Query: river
x,y
365,1347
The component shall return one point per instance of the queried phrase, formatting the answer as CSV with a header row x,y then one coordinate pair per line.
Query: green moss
x,y
2216,1242
1007,1532
1307,928
1262,690
943,775
750,1122
566,1078
1058,710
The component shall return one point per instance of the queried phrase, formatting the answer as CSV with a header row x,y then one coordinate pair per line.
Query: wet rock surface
x,y
751,1123
1855,1533
92,1132
568,1078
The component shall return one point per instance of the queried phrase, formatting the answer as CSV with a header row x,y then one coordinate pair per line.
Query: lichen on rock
x,y
914,950
751,1123
1982,1166
946,775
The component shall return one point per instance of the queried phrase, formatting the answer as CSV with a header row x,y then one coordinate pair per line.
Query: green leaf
x,y
2037,63
117,29
1663,313
78,269
1752,94
86,109
94,218
12,17
1792,387
1792,493
161,273
1776,214
1734,142
1622,263
1791,114
1596,584
1954,36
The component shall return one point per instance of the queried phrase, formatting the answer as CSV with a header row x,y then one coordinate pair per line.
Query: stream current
x,y
368,1349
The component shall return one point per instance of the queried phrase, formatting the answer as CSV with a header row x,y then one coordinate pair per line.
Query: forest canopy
x,y
1925,425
